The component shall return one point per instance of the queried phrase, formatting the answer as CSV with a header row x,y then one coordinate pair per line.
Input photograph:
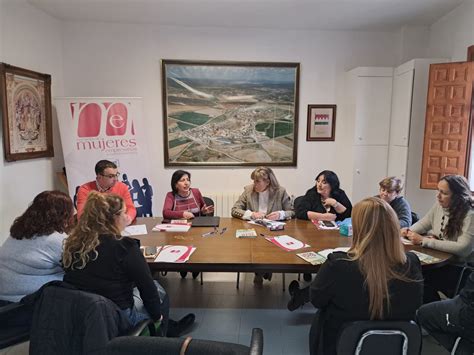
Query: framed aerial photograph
x,y
321,123
230,113
25,98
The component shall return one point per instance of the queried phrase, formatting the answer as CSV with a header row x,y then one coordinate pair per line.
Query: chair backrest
x,y
414,217
297,201
15,322
172,346
369,337
209,202
463,276
78,321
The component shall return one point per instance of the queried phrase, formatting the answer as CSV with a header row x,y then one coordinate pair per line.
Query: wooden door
x,y
447,123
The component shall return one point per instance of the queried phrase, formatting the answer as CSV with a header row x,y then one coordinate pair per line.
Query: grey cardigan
x,y
431,225
277,201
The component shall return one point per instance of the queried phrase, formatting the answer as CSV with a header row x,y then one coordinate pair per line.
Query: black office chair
x,y
414,217
15,319
67,320
209,202
369,337
297,202
173,346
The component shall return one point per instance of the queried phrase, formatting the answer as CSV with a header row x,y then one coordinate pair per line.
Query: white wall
x,y
96,59
30,39
453,33
124,60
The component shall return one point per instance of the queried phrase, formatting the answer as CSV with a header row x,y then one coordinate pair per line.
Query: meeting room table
x,y
221,251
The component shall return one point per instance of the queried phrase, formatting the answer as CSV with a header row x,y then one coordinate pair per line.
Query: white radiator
x,y
223,202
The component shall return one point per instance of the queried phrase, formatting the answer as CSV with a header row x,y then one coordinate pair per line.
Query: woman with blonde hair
x,y
97,259
390,189
265,198
374,280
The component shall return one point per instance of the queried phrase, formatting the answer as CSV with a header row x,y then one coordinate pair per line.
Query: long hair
x,y
98,218
177,175
461,203
378,249
391,184
265,173
50,211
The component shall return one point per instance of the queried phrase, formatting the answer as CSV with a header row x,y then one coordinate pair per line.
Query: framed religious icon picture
x,y
230,113
321,123
25,98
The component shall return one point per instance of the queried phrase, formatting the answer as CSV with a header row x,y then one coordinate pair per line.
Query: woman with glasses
x,y
98,259
106,181
449,227
265,198
390,189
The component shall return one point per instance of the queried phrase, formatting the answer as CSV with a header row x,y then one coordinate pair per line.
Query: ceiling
x,y
385,15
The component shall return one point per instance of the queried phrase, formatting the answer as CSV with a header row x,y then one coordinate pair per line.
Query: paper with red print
x,y
287,243
175,254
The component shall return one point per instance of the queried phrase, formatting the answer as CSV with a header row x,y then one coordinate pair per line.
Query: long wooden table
x,y
226,253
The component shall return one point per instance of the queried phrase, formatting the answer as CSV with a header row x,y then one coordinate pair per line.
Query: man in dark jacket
x,y
451,321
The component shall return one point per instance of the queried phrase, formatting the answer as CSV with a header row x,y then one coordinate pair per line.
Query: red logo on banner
x,y
90,119
104,126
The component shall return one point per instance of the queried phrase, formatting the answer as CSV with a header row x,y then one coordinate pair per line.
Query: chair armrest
x,y
256,342
140,327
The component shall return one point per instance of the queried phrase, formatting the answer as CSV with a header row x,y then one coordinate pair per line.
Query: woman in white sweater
x,y
449,227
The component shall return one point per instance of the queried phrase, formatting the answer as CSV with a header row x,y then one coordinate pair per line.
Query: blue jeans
x,y
139,312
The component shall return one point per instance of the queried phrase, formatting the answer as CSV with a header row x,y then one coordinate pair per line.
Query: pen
x,y
223,230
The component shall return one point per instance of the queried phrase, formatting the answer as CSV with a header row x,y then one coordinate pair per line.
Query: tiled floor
x,y
227,314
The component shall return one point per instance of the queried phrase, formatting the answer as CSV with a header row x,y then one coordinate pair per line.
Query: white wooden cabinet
x,y
370,166
369,97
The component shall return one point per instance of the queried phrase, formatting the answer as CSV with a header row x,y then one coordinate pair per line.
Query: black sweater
x,y
339,289
311,201
119,267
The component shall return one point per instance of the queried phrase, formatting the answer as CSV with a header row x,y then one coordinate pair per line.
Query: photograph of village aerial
x,y
230,115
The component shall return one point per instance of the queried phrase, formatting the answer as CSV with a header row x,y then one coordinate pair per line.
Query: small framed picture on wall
x,y
321,123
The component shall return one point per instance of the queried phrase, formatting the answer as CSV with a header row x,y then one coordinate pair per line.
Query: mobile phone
x,y
329,224
150,251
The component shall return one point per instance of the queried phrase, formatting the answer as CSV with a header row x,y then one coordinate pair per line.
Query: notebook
x,y
205,221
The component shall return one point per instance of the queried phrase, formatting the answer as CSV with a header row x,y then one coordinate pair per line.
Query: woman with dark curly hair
x,y
448,227
30,257
326,201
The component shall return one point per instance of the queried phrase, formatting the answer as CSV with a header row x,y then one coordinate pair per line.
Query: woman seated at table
x,y
374,280
97,259
390,189
184,201
449,227
31,255
265,198
326,201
